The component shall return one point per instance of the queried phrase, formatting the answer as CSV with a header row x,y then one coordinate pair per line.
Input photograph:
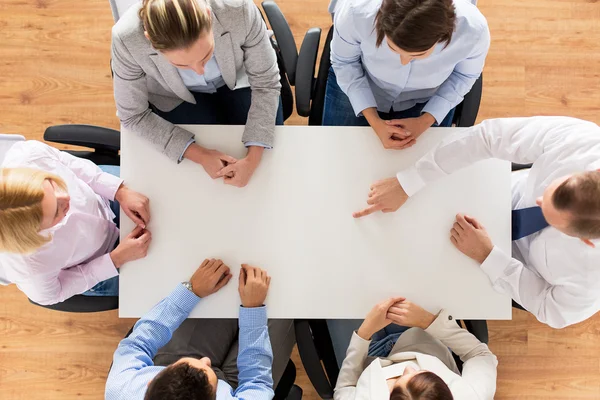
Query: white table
x,y
295,220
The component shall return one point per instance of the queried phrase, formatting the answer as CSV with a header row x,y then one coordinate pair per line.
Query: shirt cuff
x,y
255,317
183,298
192,140
258,144
438,107
410,180
107,185
440,323
495,264
361,100
103,268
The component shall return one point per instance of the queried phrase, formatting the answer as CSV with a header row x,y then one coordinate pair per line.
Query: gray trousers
x,y
217,339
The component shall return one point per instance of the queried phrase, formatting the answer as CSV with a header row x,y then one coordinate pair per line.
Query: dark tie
x,y
526,221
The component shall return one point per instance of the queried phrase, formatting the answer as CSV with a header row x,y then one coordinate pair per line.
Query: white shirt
x,y
76,258
554,276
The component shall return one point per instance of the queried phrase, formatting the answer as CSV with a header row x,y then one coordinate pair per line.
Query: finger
x,y
460,219
411,143
268,281
233,181
458,227
144,212
473,222
249,270
204,263
217,264
242,278
455,233
398,132
367,211
134,217
224,281
135,232
393,300
146,236
227,171
227,158
454,241
395,144
222,270
210,264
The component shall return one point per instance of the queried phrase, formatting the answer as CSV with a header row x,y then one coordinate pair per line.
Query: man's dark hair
x,y
180,382
423,386
415,25
579,195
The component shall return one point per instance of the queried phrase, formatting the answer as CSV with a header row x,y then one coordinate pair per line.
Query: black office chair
x,y
318,357
310,90
105,144
285,390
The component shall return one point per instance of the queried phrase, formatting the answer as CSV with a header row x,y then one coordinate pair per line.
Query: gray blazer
x,y
143,75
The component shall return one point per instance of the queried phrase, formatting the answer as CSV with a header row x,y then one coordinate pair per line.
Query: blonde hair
x,y
174,24
21,194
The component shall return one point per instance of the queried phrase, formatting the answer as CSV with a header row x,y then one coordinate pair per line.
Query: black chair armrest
x,y
478,328
311,359
318,97
284,37
96,137
305,71
470,105
84,304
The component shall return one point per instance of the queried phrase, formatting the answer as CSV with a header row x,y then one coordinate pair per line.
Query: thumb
x,y
135,232
228,159
135,218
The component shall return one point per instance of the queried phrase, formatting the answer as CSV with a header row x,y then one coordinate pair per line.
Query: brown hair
x,y
579,195
423,386
21,194
174,24
180,382
415,25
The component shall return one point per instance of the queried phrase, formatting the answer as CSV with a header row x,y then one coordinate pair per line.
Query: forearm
x,y
352,366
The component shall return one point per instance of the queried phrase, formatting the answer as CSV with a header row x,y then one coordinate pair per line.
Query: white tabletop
x,y
295,220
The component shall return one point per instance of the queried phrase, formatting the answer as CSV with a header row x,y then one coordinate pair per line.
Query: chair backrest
x,y
118,7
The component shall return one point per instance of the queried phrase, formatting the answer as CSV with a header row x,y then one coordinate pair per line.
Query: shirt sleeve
x,y
352,368
460,82
255,356
346,61
132,366
555,305
519,140
47,289
479,363
258,144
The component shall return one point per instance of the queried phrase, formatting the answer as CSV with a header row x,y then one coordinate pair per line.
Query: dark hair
x,y
579,195
180,382
174,24
415,25
423,386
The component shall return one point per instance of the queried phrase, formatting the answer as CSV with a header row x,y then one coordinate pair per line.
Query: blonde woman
x,y
59,224
197,62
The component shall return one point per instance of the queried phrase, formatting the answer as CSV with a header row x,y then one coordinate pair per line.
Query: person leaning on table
x,y
59,224
167,357
402,352
402,66
189,62
554,272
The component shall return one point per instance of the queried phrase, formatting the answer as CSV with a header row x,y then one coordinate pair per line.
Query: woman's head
x,y
181,30
412,28
419,385
31,200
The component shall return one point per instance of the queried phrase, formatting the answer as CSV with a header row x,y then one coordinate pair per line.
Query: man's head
x,y
571,204
412,28
187,379
419,385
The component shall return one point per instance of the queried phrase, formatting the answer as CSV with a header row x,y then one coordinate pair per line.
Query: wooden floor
x,y
54,69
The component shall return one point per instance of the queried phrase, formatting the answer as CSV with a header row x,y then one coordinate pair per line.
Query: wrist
x,y
427,119
365,333
372,117
255,153
115,257
485,254
195,153
427,321
119,194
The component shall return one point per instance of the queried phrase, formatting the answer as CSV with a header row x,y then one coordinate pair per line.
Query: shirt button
x,y
449,317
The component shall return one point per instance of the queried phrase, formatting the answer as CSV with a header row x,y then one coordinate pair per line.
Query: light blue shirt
x,y
133,367
207,83
374,77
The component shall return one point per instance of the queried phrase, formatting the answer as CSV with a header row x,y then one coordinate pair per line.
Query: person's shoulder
x,y
362,9
468,17
228,6
129,26
26,151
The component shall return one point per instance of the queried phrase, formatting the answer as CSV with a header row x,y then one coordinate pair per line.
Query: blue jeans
x,y
338,110
225,107
382,342
109,287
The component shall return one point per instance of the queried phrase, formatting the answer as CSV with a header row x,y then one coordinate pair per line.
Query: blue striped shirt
x,y
133,367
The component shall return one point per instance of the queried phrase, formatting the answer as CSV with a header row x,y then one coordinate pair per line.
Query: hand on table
x,y
392,136
133,247
406,313
377,318
413,126
385,196
254,286
239,173
210,277
212,161
471,238
135,205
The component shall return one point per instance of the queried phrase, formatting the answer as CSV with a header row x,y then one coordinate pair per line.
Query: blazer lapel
x,y
171,76
224,54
